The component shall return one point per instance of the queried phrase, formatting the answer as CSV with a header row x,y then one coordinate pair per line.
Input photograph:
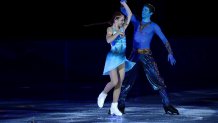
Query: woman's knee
x,y
115,82
119,84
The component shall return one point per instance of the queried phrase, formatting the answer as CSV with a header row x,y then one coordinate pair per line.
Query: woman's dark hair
x,y
115,16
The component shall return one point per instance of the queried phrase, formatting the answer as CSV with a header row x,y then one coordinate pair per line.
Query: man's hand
x,y
171,59
123,10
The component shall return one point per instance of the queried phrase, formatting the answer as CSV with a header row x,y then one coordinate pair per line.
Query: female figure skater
x,y
116,63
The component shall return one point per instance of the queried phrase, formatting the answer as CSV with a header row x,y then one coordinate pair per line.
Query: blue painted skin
x,y
122,0
142,40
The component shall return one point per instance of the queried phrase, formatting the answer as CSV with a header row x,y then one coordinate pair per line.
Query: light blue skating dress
x,y
116,56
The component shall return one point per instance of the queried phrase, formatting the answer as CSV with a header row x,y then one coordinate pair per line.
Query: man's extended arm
x,y
158,31
133,18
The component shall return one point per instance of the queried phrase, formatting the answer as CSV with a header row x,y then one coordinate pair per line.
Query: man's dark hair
x,y
151,7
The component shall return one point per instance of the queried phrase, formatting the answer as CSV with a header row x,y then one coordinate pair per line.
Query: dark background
x,y
47,52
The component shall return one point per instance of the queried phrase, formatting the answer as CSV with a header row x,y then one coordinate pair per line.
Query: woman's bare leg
x,y
113,82
117,88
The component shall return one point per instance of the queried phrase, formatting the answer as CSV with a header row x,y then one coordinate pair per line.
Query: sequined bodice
x,y
119,44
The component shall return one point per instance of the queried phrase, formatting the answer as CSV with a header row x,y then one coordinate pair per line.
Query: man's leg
x,y
128,81
126,87
154,78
